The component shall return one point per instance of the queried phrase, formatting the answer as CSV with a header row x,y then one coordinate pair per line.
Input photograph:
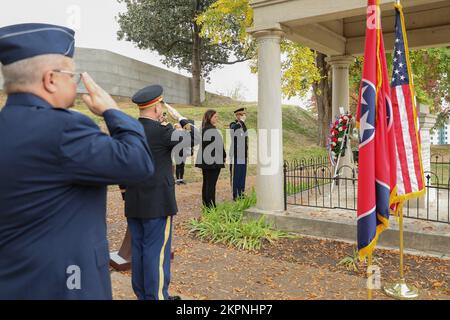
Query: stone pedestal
x,y
426,122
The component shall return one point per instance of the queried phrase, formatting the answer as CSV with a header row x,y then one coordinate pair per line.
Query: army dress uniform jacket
x,y
55,166
155,197
239,135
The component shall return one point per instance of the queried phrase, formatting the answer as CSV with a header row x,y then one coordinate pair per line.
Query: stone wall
x,y
123,76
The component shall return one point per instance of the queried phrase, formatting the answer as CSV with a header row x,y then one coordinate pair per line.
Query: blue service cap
x,y
23,41
148,96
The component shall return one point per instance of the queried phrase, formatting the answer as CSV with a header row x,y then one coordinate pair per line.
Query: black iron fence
x,y
440,166
314,183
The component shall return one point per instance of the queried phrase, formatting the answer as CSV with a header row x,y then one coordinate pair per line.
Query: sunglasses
x,y
76,76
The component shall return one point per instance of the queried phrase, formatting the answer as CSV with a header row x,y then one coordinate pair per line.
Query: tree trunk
x,y
196,66
323,96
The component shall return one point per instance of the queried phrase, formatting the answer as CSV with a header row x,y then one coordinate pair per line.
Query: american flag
x,y
410,177
377,161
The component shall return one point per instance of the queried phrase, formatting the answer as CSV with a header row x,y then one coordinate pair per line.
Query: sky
x,y
96,27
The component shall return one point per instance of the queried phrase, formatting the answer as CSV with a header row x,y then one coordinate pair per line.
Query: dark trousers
x,y
151,241
179,171
239,175
210,177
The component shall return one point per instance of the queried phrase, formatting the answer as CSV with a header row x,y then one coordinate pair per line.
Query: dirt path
x,y
303,268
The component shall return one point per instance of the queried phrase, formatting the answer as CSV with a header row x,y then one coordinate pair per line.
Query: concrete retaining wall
x,y
424,236
123,76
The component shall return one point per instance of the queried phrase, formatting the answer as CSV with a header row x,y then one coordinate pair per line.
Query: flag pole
x,y
369,287
401,290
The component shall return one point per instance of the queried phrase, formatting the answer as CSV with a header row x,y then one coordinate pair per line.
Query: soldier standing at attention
x,y
55,166
183,154
150,205
239,152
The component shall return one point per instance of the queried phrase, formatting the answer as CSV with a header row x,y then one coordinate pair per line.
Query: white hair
x,y
20,75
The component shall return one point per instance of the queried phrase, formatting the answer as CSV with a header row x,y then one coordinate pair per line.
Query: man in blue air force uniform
x,y
150,205
55,166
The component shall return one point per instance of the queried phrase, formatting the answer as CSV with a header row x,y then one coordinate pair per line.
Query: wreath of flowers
x,y
337,137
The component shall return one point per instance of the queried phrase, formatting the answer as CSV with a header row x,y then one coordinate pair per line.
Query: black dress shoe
x,y
175,298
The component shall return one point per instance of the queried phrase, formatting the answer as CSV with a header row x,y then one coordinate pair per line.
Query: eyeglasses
x,y
76,77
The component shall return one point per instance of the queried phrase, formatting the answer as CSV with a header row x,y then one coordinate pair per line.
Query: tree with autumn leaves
x,y
204,34
171,29
302,68
431,70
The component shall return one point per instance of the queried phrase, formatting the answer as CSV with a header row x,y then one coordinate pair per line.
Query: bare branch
x,y
225,61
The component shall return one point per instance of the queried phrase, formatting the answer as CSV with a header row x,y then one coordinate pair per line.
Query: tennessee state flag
x,y
377,158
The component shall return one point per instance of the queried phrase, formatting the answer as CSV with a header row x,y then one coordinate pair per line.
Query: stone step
x,y
424,236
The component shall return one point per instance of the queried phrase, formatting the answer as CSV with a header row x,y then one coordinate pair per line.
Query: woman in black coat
x,y
211,157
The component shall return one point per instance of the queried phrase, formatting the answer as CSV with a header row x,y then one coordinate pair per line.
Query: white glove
x,y
173,112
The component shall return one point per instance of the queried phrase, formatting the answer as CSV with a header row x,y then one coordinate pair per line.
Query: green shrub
x,y
225,224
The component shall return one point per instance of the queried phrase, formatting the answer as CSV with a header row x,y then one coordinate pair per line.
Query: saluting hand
x,y
173,112
97,99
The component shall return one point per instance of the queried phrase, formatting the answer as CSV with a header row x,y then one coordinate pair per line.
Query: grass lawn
x,y
299,128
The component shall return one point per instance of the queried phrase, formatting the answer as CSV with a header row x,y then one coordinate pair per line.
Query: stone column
x,y
341,96
340,74
269,179
426,122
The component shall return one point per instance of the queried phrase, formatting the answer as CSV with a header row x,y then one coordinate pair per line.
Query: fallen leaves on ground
x,y
300,268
